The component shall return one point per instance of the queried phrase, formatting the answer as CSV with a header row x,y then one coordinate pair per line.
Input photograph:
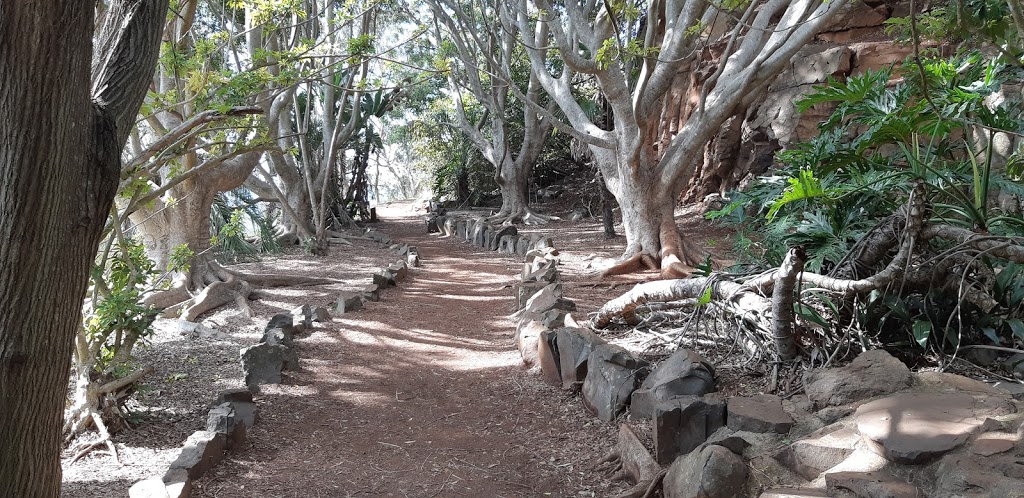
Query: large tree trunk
x,y
59,168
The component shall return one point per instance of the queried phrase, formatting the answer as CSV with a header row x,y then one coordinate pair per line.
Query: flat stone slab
x,y
877,484
913,428
993,443
821,451
761,413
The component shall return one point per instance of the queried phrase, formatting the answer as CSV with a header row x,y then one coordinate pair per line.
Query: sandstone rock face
x,y
970,475
913,428
761,413
811,456
684,423
574,348
685,373
612,376
713,472
873,373
879,484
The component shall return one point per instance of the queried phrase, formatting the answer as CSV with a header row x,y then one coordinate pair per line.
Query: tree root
x,y
524,215
88,413
630,460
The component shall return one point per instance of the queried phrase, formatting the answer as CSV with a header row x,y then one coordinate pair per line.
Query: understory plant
x,y
841,192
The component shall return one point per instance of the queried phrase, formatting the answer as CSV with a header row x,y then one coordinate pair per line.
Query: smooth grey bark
x,y
66,120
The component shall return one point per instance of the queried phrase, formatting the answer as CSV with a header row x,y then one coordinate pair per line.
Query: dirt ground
x,y
422,394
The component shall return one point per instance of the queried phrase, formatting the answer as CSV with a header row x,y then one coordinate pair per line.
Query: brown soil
x,y
422,394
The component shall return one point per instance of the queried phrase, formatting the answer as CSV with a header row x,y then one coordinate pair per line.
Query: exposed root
x,y
630,460
216,295
97,402
637,262
524,215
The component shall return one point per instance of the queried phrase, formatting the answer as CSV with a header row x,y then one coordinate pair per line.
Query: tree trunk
x,y
59,169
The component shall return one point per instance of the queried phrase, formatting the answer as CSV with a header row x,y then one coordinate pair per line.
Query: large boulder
x,y
685,373
913,428
574,348
684,423
873,373
712,472
968,475
612,376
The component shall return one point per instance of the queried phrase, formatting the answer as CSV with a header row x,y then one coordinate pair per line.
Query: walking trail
x,y
420,395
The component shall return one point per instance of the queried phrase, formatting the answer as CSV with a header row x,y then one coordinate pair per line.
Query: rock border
x,y
234,411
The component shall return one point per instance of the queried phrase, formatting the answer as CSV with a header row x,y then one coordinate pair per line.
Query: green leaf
x,y
922,331
705,298
1017,326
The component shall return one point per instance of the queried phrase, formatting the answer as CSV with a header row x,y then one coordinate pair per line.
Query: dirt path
x,y
419,395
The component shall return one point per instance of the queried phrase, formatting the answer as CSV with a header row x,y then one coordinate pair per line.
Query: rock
x,y
761,413
819,452
794,493
527,341
859,14
548,298
734,442
433,226
281,321
712,472
523,246
371,292
871,374
993,443
177,483
230,395
507,244
222,419
479,234
912,428
968,475
383,278
526,290
541,243
495,239
577,215
198,330
202,450
876,56
400,270
448,228
246,413
815,64
684,373
574,348
348,302
547,352
1014,365
613,373
320,314
1012,388
684,423
279,336
304,314
148,488
879,484
262,364
460,229
413,258
952,382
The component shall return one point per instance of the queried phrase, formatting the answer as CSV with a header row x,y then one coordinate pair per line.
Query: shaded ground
x,y
419,395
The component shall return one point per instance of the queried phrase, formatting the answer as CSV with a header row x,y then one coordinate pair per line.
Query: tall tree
x,y
68,111
481,66
635,50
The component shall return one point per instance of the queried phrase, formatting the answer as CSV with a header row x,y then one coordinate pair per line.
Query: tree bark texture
x,y
59,167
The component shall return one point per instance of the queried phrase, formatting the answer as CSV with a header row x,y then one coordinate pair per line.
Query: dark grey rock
x,y
349,302
240,394
684,423
222,419
1014,365
399,270
507,244
574,348
526,290
413,258
542,242
612,376
761,413
873,373
523,246
685,373
548,298
246,413
202,450
383,278
304,314
495,239
276,337
262,363
712,472
371,293
281,321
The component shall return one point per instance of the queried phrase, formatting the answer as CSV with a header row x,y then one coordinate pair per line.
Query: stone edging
x,y
234,411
